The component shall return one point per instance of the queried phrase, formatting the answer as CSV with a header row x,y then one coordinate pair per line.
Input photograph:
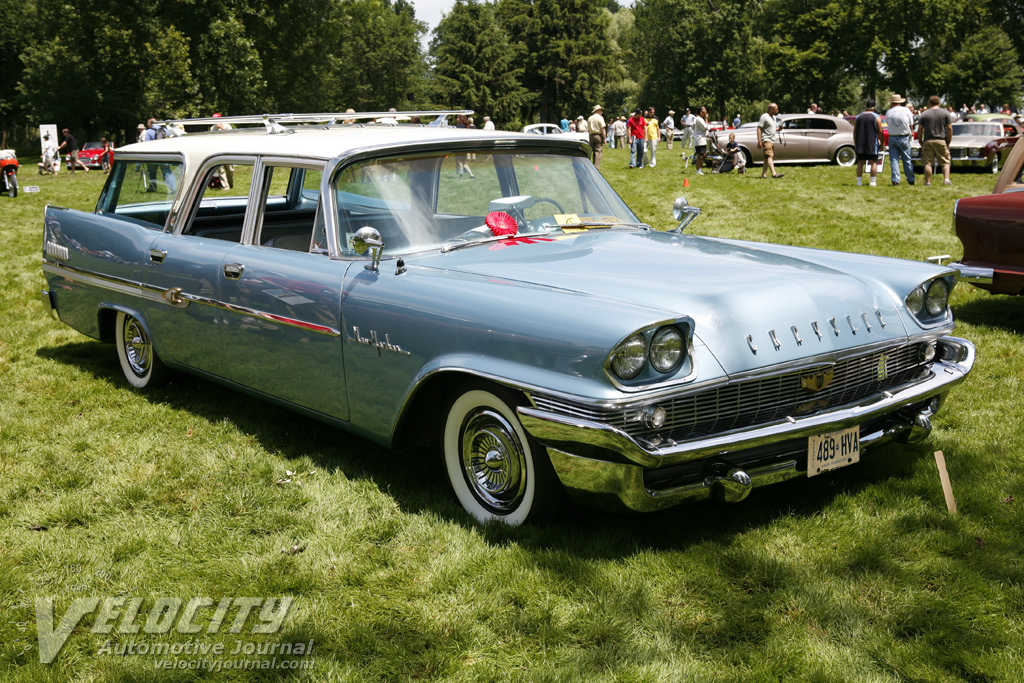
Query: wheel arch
x,y
418,425
106,320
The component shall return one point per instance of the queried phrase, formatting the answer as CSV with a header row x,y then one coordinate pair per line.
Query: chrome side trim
x,y
974,274
604,443
111,283
177,298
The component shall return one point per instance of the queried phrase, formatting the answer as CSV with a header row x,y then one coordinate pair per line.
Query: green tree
x,y
568,58
986,69
476,66
170,89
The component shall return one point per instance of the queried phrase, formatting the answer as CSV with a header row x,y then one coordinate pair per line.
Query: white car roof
x,y
315,142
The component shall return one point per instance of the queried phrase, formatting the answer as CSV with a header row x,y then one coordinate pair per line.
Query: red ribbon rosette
x,y
501,223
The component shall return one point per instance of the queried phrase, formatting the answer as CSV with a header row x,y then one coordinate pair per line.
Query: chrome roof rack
x,y
274,123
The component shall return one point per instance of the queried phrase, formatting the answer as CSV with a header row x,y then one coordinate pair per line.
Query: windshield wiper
x,y
468,243
597,224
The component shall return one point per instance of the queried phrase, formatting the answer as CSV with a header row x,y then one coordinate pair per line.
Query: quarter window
x,y
141,191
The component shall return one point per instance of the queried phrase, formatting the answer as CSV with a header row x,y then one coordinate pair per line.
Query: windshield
x,y
992,130
439,200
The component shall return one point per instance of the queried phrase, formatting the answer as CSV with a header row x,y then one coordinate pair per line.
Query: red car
x,y
991,229
92,155
885,129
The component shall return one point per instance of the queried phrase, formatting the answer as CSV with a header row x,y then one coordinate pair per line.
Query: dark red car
x,y
91,155
991,229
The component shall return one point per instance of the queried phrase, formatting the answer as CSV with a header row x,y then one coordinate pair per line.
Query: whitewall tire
x,y
495,470
139,362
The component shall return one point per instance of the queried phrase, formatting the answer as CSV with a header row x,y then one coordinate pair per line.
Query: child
x,y
739,159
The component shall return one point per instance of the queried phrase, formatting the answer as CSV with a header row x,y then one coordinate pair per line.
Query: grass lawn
x,y
195,491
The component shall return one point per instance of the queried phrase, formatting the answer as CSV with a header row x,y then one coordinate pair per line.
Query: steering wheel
x,y
550,201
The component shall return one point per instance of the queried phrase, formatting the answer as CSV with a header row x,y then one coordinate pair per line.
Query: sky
x,y
430,11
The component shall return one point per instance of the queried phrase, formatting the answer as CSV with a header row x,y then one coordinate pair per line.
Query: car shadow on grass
x,y
417,484
414,483
1000,311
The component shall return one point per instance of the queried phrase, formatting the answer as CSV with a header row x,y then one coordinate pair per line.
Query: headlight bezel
x,y
928,303
680,368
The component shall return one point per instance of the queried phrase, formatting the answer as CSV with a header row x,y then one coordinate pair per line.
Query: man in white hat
x,y
670,127
900,122
596,127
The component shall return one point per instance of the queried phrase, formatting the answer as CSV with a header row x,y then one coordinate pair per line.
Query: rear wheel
x,y
498,473
12,184
845,156
139,362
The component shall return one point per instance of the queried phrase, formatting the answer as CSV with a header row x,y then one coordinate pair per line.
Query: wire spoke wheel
x,y
493,461
139,362
497,472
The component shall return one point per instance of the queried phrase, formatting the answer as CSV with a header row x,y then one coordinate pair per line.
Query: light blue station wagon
x,y
489,294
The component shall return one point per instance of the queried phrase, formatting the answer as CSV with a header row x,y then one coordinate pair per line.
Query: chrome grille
x,y
957,153
752,402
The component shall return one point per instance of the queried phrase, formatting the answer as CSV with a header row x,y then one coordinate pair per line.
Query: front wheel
x,y
845,156
139,362
496,471
994,166
12,185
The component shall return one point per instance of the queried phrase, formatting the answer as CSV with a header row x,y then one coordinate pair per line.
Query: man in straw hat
x,y
900,121
596,127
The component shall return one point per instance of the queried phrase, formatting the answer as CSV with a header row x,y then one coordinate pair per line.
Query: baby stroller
x,y
718,158
9,173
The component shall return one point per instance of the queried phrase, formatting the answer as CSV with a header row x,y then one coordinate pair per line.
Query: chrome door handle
x,y
233,271
157,255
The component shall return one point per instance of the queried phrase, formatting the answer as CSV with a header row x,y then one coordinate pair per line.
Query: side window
x,y
289,207
822,124
794,124
219,211
141,191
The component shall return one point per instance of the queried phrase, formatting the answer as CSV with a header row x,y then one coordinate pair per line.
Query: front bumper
x,y
600,464
973,274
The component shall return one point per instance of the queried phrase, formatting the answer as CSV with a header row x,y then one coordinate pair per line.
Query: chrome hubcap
x,y
136,347
493,461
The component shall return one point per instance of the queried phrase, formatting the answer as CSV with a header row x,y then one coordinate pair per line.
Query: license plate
x,y
832,450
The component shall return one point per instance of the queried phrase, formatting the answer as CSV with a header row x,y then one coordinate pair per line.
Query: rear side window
x,y
141,191
822,124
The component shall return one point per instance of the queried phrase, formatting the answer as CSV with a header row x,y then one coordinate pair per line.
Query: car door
x,y
188,263
280,302
793,145
820,134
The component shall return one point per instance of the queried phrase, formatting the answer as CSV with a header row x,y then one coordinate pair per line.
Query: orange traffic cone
x,y
686,182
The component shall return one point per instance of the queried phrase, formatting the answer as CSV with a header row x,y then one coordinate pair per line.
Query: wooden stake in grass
x,y
947,488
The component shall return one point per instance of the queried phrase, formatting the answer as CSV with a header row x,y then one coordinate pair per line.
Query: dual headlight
x,y
663,348
929,300
974,151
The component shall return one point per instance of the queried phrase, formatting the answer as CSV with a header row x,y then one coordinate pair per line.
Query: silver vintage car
x,y
802,138
522,320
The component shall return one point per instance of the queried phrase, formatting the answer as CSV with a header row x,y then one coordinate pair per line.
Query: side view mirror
x,y
369,239
684,213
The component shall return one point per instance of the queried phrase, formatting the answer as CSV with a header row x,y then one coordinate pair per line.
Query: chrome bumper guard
x,y
973,274
602,465
47,297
